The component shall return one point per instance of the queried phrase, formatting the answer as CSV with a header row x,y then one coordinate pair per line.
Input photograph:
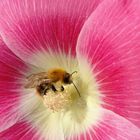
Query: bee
x,y
45,81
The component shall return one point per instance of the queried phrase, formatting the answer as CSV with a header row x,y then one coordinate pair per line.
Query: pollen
x,y
58,101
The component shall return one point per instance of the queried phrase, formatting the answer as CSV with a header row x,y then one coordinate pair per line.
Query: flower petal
x,y
8,98
111,126
28,27
110,41
12,75
22,131
10,59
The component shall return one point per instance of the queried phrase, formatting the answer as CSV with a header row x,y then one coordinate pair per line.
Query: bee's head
x,y
67,78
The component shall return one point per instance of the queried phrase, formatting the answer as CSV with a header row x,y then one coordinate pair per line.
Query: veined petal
x,y
12,76
113,126
110,41
28,27
10,59
22,131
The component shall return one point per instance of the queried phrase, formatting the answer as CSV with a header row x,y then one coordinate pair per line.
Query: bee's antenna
x,y
74,84
73,73
76,89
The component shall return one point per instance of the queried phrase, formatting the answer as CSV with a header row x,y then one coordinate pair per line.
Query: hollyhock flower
x,y
99,40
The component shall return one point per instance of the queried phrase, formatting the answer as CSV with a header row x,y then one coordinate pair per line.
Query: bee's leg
x,y
62,88
45,90
53,88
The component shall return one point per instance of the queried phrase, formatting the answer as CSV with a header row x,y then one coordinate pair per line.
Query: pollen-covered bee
x,y
46,80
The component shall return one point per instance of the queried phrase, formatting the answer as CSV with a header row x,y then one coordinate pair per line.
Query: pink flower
x,y
98,39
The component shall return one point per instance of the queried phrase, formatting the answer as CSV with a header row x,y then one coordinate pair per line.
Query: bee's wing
x,y
37,76
35,83
36,79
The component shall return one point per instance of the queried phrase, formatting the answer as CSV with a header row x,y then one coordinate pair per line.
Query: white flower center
x,y
64,114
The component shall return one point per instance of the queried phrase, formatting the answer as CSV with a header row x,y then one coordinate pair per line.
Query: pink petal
x,y
110,127
12,70
28,27
11,60
113,126
20,131
110,41
12,73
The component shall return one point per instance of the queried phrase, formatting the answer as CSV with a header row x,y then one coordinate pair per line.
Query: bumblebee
x,y
45,81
